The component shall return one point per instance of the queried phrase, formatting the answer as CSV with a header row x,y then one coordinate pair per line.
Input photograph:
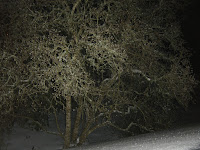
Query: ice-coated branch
x,y
129,126
141,73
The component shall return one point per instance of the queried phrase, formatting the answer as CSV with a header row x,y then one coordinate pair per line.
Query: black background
x,y
191,31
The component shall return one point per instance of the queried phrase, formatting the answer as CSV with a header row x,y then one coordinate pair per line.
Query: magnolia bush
x,y
97,62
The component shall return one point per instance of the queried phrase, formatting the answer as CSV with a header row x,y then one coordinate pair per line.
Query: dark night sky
x,y
191,31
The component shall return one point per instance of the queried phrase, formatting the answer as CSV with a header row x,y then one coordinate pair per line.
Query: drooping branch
x,y
129,126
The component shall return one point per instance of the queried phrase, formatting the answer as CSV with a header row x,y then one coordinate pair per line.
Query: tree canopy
x,y
111,58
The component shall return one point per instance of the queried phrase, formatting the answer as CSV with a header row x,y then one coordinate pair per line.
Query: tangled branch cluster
x,y
113,58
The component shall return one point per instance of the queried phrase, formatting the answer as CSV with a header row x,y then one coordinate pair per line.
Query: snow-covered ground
x,y
27,139
184,138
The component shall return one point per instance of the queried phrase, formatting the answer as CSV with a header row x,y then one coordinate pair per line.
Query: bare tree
x,y
108,57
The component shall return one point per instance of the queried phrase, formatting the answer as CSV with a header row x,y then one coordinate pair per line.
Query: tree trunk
x,y
77,122
84,134
67,137
83,138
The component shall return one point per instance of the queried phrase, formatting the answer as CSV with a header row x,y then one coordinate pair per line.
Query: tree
x,y
108,57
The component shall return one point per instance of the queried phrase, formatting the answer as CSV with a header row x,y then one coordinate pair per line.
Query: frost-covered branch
x,y
136,71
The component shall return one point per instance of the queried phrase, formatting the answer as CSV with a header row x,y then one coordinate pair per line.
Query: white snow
x,y
185,138
25,139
